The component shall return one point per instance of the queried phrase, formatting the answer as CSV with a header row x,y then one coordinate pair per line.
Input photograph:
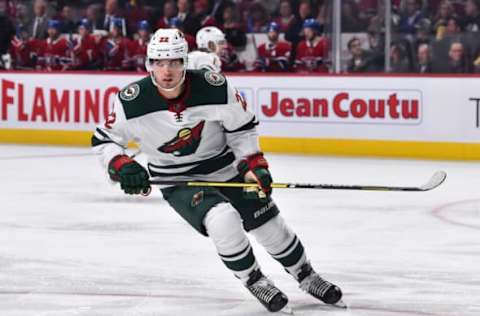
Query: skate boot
x,y
266,292
314,285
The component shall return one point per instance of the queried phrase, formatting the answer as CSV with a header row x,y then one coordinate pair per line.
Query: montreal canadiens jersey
x,y
203,60
200,135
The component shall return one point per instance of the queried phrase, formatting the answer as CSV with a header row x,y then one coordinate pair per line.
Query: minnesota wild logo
x,y
185,143
130,92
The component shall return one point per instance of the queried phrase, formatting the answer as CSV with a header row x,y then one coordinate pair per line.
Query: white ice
x,y
72,244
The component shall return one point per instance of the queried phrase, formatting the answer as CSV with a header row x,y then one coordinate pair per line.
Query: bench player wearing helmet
x,y
193,125
210,42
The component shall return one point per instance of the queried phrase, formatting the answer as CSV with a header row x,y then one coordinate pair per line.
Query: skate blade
x,y
340,304
287,310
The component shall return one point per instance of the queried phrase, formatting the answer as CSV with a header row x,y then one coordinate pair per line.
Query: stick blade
x,y
437,179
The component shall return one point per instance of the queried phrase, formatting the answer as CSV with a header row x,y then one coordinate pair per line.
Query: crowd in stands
x,y
428,36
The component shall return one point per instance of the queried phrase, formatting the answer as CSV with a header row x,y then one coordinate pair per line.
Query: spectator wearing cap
x,y
169,11
286,17
138,46
56,54
38,26
23,49
312,51
424,59
175,22
472,16
115,48
273,56
85,49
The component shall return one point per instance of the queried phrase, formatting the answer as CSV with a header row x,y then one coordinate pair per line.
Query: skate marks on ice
x,y
464,213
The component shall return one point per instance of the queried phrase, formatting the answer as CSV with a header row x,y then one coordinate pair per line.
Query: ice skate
x,y
266,292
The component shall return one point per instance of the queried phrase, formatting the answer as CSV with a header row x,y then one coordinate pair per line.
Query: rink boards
x,y
431,117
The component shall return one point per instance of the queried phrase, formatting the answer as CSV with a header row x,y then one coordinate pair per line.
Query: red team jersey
x,y
310,56
24,53
85,52
116,53
56,54
230,61
273,57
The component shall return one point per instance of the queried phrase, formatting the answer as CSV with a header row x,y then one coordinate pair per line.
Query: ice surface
x,y
72,244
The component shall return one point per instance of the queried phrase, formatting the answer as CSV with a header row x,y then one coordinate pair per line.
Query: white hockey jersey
x,y
203,60
200,135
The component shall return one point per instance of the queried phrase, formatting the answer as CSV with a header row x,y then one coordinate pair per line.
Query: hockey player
x,y
24,50
115,47
85,48
56,49
210,42
138,47
275,54
193,125
311,53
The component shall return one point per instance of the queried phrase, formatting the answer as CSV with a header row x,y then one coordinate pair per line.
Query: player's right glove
x,y
254,168
132,176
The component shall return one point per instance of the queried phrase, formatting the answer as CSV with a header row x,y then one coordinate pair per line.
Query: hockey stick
x,y
436,179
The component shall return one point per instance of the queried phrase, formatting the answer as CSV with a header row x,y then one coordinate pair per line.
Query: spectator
x,y
201,12
472,16
273,56
69,24
115,48
422,33
311,53
135,13
56,52
444,12
190,24
85,49
257,18
138,47
169,11
351,21
295,32
286,17
457,59
38,26
410,17
232,27
424,62
362,60
399,62
112,11
6,35
175,22
93,15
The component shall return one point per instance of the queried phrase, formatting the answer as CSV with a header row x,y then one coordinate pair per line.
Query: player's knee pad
x,y
274,235
224,226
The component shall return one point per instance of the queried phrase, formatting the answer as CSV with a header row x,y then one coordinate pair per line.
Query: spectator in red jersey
x,y
176,23
115,48
138,47
273,56
169,11
56,53
23,50
311,53
85,49
286,17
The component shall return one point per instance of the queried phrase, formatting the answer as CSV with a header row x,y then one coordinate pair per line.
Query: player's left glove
x,y
132,176
254,168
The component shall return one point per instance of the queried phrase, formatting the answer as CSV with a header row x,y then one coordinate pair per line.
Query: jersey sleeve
x,y
111,138
206,61
239,125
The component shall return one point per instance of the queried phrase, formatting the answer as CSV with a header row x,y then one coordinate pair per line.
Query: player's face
x,y
52,32
219,46
167,72
309,33
272,36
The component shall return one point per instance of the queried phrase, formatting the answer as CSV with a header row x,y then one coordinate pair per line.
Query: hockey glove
x,y
132,176
254,168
